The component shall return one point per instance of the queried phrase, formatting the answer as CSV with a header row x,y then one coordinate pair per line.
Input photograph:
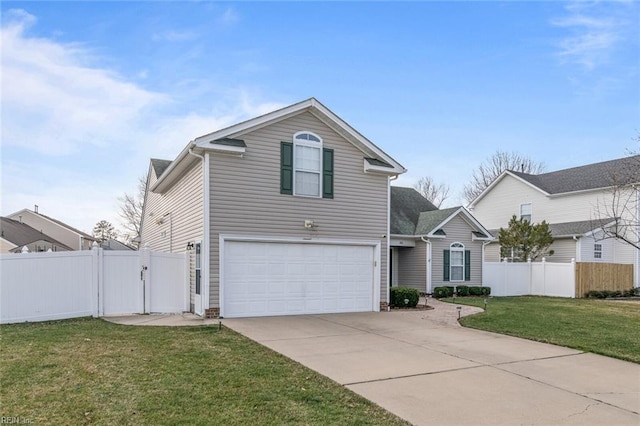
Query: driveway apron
x,y
431,371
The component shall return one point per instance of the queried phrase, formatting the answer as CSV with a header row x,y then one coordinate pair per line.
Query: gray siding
x,y
245,195
457,230
412,266
492,252
184,201
182,204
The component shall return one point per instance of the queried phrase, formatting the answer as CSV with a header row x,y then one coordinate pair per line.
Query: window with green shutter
x,y
327,173
306,168
286,168
446,258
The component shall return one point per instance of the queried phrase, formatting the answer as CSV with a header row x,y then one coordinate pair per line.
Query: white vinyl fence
x,y
59,285
530,278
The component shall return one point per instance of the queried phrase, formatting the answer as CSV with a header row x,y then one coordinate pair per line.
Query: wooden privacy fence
x,y
602,276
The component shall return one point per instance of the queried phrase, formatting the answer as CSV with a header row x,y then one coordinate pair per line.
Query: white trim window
x,y
307,173
456,262
525,212
597,251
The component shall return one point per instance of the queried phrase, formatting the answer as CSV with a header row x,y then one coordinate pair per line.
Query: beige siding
x,y
496,208
6,246
457,230
564,250
60,233
492,253
245,195
412,266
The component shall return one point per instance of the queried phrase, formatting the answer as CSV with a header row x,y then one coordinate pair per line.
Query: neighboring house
x,y
112,244
67,235
431,247
14,236
286,213
571,201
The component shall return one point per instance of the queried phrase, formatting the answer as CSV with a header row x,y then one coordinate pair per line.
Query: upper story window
x,y
307,164
525,212
306,167
597,251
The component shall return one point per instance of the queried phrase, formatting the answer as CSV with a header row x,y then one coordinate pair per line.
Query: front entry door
x,y
197,299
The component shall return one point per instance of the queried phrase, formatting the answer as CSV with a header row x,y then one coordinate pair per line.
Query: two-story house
x,y
286,213
576,202
70,237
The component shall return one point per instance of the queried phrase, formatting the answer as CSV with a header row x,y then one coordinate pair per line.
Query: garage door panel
x,y
266,278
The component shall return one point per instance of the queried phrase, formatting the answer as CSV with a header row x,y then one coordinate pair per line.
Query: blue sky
x,y
92,90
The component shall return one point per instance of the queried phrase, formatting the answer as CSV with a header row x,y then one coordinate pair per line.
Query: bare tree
x,y
437,194
494,166
618,215
131,209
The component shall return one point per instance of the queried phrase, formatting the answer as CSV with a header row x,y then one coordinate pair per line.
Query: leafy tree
x,y
494,166
104,231
437,194
523,240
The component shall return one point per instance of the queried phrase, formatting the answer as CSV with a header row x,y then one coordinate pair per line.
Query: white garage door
x,y
267,278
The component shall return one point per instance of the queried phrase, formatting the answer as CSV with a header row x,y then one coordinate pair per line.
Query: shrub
x,y
440,292
463,290
475,291
486,291
604,294
400,294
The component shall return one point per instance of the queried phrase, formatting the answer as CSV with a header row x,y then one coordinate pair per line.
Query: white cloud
x,y
593,32
174,35
76,136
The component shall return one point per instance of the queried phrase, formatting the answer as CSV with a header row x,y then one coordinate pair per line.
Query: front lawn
x,y
88,371
605,327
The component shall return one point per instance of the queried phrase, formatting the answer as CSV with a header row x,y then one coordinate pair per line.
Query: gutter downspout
x,y
204,268
486,243
391,178
429,272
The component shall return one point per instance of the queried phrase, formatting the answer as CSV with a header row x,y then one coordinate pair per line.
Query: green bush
x,y
463,290
440,292
604,294
475,291
486,291
400,294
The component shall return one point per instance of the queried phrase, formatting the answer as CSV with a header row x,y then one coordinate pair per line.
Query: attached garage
x,y
268,278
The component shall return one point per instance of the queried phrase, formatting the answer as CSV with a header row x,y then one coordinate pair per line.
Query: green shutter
x,y
286,168
327,173
446,265
467,265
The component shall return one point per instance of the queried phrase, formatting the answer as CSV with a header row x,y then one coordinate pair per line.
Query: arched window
x,y
456,263
307,176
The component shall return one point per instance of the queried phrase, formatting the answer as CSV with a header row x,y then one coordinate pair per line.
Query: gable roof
x,y
55,221
583,178
159,166
22,234
406,206
571,229
226,140
412,214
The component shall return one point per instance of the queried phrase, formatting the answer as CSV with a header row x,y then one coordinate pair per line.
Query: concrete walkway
x,y
426,368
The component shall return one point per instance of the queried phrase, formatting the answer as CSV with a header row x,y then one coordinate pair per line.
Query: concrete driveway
x,y
428,371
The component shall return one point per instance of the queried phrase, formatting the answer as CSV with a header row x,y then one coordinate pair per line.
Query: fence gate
x,y
121,286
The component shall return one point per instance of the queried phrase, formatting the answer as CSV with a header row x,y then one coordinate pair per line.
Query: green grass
x,y
88,371
608,328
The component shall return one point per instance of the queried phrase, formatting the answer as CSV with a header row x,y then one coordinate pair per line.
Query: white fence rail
x,y
535,278
59,285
